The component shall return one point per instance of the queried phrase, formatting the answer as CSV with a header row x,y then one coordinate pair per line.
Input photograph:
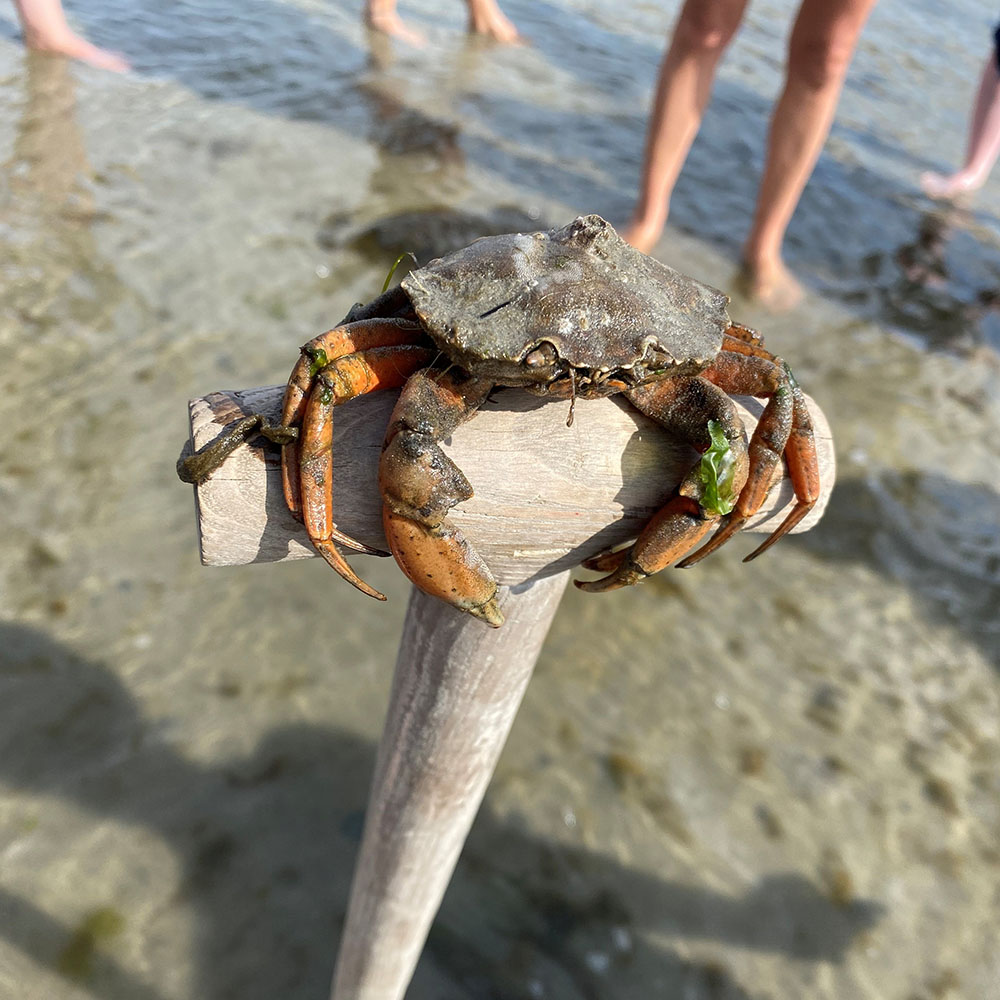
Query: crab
x,y
572,312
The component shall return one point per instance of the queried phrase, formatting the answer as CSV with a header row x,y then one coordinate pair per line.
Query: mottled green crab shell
x,y
602,304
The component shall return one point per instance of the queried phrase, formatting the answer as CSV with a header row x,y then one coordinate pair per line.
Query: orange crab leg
x,y
745,335
784,427
800,451
803,470
345,339
343,379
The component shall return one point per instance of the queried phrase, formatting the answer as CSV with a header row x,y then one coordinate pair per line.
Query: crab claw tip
x,y
489,612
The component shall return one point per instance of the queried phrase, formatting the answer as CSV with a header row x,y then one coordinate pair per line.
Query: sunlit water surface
x,y
741,782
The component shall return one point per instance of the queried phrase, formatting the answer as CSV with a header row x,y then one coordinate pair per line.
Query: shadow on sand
x,y
264,846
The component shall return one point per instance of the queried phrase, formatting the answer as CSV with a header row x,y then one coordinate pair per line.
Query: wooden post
x,y
455,693
547,497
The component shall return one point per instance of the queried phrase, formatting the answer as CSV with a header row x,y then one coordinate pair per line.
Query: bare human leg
x,y
485,18
45,29
820,49
983,145
381,16
702,32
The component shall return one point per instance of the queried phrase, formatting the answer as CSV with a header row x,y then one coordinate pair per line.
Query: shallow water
x,y
778,780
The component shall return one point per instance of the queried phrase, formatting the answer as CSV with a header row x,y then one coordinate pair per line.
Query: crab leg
x,y
684,407
784,427
349,376
746,336
420,484
348,338
800,451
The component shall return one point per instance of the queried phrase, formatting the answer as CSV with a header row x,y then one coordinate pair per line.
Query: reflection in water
x,y
52,265
61,390
49,154
423,154
421,151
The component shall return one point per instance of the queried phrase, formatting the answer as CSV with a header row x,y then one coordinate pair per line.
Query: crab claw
x,y
672,531
605,562
729,528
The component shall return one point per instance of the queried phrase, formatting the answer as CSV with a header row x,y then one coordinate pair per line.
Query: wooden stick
x,y
455,693
548,496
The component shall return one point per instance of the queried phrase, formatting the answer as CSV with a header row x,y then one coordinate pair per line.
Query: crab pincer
x,y
420,485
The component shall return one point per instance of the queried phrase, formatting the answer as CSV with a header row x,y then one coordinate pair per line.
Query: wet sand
x,y
760,782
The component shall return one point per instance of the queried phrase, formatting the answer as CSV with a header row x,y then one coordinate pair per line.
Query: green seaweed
x,y
716,471
395,264
318,359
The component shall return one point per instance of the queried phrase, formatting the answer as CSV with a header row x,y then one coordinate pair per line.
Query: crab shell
x,y
609,311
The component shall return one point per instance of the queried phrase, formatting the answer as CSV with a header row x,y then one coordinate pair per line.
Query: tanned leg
x,y
703,30
381,16
45,29
487,19
984,141
820,49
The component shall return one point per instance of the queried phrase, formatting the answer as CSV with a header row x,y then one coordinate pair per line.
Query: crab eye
x,y
543,356
658,358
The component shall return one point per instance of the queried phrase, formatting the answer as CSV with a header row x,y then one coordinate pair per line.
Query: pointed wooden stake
x,y
455,693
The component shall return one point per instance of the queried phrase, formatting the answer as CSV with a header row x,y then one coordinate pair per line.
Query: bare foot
x,y
388,22
772,285
642,235
948,186
488,20
71,45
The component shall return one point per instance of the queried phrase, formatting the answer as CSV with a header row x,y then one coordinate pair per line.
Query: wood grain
x,y
457,687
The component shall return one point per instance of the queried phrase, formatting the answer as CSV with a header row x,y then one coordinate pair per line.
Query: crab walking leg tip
x,y
197,467
326,549
762,548
598,586
797,513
